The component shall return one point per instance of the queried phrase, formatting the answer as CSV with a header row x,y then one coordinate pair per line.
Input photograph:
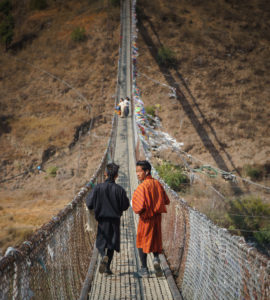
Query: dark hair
x,y
144,164
112,170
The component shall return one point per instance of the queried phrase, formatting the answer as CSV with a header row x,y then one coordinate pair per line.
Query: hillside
x,y
51,87
216,56
220,70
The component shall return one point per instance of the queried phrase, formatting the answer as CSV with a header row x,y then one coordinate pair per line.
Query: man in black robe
x,y
108,200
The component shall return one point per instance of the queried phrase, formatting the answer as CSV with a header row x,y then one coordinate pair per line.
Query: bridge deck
x,y
123,284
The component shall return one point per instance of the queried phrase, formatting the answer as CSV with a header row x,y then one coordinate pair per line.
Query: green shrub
x,y
166,56
255,173
6,30
173,176
52,171
5,7
150,110
78,34
263,236
250,215
38,4
115,2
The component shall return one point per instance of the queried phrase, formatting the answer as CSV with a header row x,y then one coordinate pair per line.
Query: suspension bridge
x,y
200,261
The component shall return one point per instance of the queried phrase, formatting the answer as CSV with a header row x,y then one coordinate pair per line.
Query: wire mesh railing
x,y
53,263
206,260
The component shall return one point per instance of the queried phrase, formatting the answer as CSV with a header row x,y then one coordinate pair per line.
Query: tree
x,y
6,30
38,4
5,7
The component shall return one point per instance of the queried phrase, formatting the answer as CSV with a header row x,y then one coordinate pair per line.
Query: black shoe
x,y
103,264
108,271
142,273
156,263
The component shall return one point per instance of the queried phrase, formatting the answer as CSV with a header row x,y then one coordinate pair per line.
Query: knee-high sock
x,y
143,258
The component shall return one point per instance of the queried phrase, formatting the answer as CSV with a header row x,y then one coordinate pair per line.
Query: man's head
x,y
143,169
111,171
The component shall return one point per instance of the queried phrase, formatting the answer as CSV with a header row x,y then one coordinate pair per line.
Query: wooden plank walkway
x,y
123,284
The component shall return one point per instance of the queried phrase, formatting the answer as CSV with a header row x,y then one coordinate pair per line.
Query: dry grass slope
x,y
222,71
39,112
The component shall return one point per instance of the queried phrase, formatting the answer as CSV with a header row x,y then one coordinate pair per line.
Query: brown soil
x,y
221,74
40,115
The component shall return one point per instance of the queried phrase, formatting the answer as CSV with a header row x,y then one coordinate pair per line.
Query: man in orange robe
x,y
149,201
